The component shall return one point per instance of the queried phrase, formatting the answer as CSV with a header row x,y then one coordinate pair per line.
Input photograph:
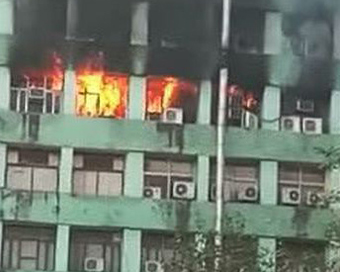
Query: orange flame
x,y
51,78
164,92
100,93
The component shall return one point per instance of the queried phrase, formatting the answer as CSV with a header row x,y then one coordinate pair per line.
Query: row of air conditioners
x,y
244,192
293,196
308,125
180,190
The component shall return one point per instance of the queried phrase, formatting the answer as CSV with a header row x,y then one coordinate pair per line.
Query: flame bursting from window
x,y
165,92
50,78
100,93
247,99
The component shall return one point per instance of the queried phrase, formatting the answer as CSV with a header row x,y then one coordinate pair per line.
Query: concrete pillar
x,y
1,240
271,108
139,24
69,95
5,84
131,255
268,182
62,248
137,92
3,153
334,114
65,170
267,254
134,175
203,178
273,33
204,105
336,35
6,16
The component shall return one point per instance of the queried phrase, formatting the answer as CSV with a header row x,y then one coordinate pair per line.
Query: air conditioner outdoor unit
x,y
173,116
183,190
312,125
315,198
247,192
153,192
306,106
290,123
94,264
290,196
249,120
153,266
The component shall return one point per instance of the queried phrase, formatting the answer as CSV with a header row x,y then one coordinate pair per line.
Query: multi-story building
x,y
107,128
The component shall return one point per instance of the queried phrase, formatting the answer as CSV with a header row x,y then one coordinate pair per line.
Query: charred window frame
x,y
98,174
99,244
43,18
32,170
159,172
304,177
239,176
28,248
184,95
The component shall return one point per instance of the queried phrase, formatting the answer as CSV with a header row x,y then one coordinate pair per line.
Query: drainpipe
x,y
220,136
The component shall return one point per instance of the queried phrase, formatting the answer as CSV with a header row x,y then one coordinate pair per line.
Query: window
x,y
28,248
98,247
240,182
301,183
165,174
32,170
170,92
98,174
300,256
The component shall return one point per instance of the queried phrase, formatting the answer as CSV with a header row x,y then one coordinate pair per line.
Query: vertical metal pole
x,y
220,136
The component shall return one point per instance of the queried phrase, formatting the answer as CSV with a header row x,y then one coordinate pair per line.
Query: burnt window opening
x,y
28,248
97,250
43,18
38,89
100,93
32,170
163,93
300,256
169,178
184,24
247,31
98,174
301,184
103,21
240,181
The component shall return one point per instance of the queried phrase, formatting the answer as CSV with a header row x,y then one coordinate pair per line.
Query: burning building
x,y
99,172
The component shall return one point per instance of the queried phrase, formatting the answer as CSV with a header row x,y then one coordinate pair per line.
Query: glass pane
x,y
50,257
110,184
57,104
95,251
85,182
49,99
181,168
116,258
28,264
42,255
22,101
13,100
156,166
312,174
29,249
118,164
15,254
35,105
242,172
44,179
19,178
108,258
6,254
289,173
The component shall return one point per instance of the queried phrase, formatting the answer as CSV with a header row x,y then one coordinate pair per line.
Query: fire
x,y
100,93
50,78
165,92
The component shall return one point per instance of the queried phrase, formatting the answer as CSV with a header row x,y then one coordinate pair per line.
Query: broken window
x,y
300,256
169,92
98,174
166,178
100,93
301,184
95,250
38,90
240,181
32,170
28,248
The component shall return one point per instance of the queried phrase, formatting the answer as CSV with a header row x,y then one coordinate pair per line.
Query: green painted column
x,y
134,178
273,33
2,184
131,255
204,104
269,173
5,83
69,95
334,114
62,248
65,170
6,16
137,98
203,178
